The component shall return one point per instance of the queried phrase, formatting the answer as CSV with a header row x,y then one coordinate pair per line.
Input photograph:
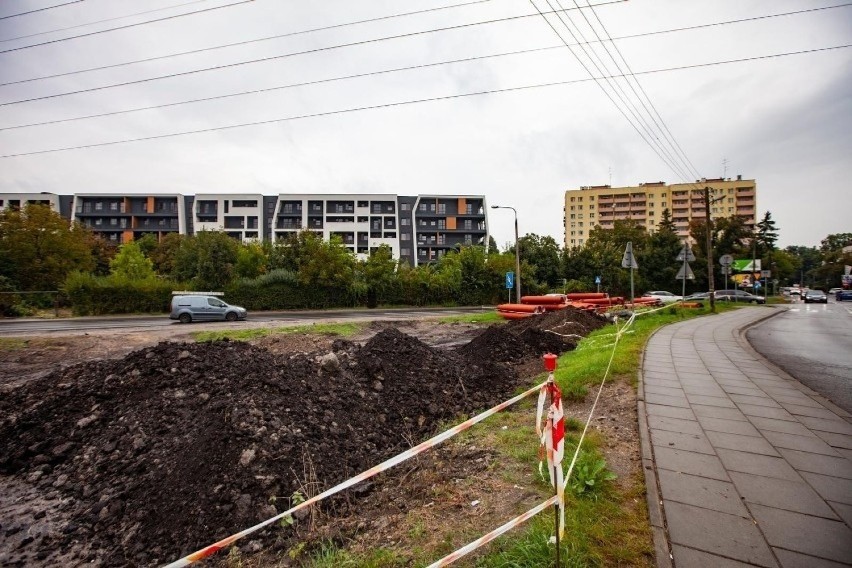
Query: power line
x,y
125,27
394,70
274,57
289,86
411,102
102,21
40,9
664,129
280,36
654,145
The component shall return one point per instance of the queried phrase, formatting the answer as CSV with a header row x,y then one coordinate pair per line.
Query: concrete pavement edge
x,y
656,515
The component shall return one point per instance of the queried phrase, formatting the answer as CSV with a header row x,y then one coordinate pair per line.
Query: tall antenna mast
x,y
725,168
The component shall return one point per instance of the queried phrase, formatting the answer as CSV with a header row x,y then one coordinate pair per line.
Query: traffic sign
x,y
597,279
766,274
685,253
628,260
510,280
685,270
726,260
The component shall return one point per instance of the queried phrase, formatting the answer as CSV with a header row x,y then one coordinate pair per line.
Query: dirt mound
x,y
154,455
553,332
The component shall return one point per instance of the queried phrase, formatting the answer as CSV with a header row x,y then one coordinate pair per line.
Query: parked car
x,y
663,296
738,296
698,297
199,307
816,296
843,295
834,291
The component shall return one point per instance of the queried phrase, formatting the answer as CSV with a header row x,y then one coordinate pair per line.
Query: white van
x,y
191,308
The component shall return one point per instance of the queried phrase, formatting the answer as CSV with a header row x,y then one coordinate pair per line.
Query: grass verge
x,y
337,329
482,317
12,343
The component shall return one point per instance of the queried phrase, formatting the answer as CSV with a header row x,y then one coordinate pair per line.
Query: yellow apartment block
x,y
599,206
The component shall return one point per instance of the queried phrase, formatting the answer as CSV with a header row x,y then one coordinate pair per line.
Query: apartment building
x,y
363,222
419,229
59,203
238,215
601,206
440,223
121,219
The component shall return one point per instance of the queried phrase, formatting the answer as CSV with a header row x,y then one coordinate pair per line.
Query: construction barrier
x,y
559,497
385,465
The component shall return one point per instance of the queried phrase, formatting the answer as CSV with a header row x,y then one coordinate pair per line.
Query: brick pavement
x,y
745,466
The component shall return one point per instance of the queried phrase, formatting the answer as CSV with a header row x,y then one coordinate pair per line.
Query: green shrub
x,y
99,295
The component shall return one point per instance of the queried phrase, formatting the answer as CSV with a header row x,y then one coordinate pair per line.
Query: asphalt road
x,y
812,342
28,326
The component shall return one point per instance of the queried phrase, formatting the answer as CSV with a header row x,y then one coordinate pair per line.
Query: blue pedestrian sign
x,y
597,279
510,280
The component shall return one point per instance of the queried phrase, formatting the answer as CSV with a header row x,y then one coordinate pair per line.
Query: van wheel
x,y
185,318
231,316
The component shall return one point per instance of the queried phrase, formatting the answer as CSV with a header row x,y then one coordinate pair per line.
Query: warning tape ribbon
x,y
485,539
385,465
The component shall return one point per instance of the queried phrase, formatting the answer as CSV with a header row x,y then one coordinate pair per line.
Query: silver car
x,y
191,308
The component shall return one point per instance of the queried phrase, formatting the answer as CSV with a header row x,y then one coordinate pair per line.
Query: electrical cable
x,y
412,67
588,71
126,26
411,102
103,21
630,36
661,125
40,9
290,34
273,58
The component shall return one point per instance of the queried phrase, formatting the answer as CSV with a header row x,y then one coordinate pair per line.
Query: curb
x,y
656,516
744,343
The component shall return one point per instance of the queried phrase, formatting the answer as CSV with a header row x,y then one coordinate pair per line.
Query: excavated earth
x,y
143,459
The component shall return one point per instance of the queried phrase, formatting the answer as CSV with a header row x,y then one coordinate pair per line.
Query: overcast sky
x,y
786,121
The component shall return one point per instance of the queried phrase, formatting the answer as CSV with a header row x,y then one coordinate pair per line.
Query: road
x,y
29,326
813,343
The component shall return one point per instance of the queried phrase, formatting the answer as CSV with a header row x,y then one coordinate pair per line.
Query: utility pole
x,y
709,249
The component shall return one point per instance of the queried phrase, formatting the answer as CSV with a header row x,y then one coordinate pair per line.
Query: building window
x,y
442,208
99,206
405,237
404,252
422,207
405,207
405,222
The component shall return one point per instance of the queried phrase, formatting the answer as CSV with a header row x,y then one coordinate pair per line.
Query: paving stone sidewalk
x,y
745,466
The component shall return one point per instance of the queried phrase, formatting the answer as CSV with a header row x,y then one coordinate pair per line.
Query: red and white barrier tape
x,y
385,465
559,497
485,539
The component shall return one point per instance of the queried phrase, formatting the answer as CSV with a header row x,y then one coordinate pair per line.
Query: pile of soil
x,y
553,332
177,445
141,460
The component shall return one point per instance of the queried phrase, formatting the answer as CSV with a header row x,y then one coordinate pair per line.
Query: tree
x,y
251,260
836,242
542,254
207,259
767,233
163,255
130,263
492,246
39,248
657,262
379,273
606,249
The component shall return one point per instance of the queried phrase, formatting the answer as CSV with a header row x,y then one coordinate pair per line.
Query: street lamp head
x,y
495,207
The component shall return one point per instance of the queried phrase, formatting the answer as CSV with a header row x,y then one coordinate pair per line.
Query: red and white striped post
x,y
555,432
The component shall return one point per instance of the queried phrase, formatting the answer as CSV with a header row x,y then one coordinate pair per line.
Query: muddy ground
x,y
168,446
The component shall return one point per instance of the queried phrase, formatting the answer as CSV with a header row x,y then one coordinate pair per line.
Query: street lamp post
x,y
517,253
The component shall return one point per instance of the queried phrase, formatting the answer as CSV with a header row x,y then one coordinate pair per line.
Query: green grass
x,y
330,556
336,329
12,343
482,317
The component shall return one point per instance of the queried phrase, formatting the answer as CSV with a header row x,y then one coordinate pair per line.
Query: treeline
x,y
41,251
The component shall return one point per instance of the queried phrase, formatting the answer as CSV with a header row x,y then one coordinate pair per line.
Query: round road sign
x,y
726,260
